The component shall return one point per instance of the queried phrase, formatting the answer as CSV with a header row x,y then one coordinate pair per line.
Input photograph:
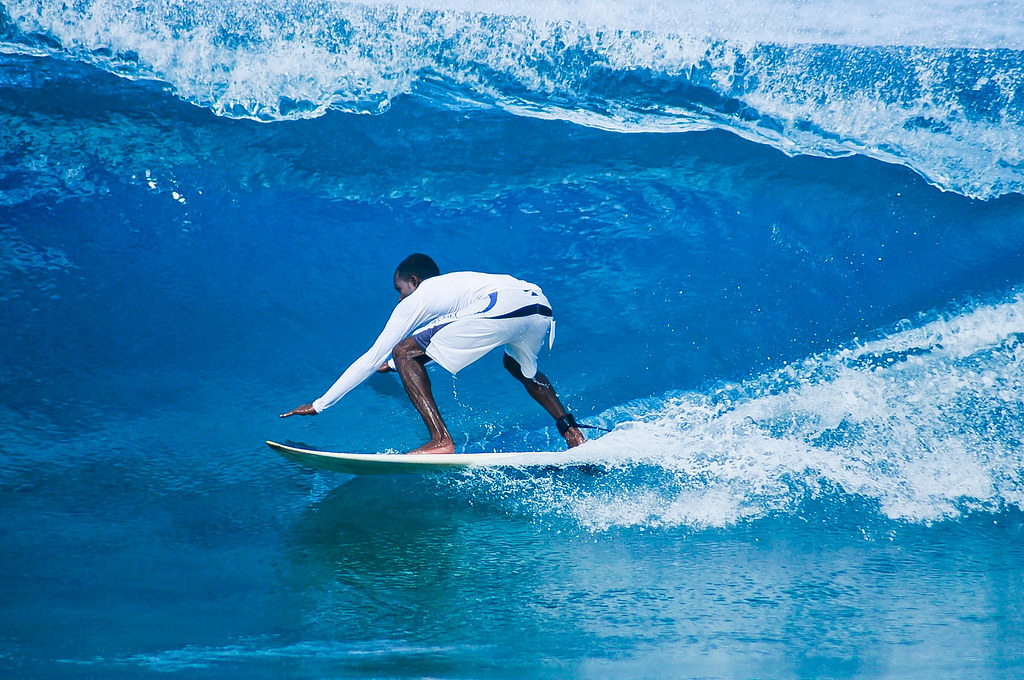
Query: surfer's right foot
x,y
435,447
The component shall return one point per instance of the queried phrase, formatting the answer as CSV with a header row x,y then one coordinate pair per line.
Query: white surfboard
x,y
404,463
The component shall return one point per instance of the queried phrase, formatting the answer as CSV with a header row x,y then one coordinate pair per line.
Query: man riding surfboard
x,y
455,319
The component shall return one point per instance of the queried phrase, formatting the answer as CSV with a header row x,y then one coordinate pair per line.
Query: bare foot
x,y
573,437
444,446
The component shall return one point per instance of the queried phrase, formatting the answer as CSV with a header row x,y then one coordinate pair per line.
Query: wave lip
x,y
937,90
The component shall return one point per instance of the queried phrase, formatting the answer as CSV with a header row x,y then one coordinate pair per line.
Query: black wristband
x,y
565,423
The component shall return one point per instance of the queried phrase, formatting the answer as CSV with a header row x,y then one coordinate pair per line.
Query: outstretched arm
x,y
410,313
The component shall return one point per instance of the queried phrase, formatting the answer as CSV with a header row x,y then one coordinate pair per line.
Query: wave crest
x,y
917,89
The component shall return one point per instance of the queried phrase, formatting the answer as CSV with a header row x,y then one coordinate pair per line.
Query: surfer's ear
x,y
406,286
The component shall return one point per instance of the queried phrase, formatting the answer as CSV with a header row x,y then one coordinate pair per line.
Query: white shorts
x,y
518,320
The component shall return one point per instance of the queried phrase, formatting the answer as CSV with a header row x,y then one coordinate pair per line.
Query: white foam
x,y
926,422
942,23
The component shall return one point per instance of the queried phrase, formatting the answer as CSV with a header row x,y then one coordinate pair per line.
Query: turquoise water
x,y
785,247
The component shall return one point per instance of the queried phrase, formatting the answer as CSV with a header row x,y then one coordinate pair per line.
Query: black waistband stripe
x,y
529,310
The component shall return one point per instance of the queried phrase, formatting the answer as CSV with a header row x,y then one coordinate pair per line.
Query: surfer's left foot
x,y
447,446
574,437
570,429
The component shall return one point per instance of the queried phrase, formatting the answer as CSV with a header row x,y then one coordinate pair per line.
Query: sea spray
x,y
925,422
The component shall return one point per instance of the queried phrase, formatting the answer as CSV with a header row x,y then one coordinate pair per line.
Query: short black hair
x,y
419,264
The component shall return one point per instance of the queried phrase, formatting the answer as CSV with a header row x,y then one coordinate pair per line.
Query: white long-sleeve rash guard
x,y
446,295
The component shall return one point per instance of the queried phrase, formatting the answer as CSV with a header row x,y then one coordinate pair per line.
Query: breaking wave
x,y
933,86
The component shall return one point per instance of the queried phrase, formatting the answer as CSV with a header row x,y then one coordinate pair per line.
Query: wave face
x,y
933,86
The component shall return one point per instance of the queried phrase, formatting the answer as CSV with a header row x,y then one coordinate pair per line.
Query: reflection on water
x,y
402,559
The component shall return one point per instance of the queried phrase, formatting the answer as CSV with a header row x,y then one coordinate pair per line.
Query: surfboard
x,y
403,463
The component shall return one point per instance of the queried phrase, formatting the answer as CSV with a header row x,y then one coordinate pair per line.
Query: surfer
x,y
455,319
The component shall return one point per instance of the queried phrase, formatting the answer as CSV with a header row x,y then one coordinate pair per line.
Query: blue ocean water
x,y
784,243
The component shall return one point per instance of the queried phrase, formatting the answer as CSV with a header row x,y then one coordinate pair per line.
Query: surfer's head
x,y
412,271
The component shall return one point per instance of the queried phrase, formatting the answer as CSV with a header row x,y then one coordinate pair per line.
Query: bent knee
x,y
512,366
406,350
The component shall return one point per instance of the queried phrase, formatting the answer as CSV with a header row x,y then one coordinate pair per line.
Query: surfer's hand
x,y
304,410
385,368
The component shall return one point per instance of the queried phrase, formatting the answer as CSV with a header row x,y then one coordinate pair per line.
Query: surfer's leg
x,y
409,360
543,392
